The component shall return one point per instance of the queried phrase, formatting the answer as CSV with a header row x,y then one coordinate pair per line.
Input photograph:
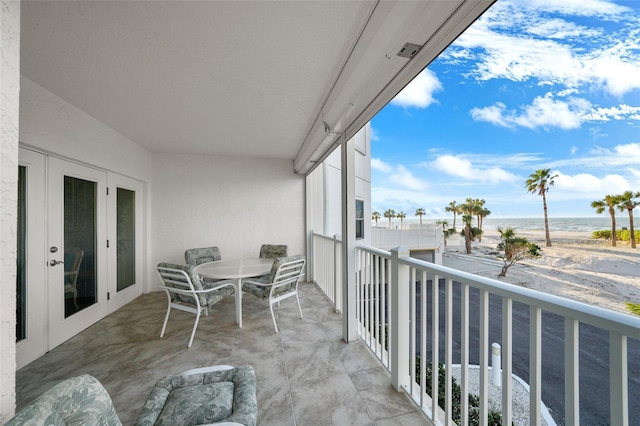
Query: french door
x,y
79,255
76,248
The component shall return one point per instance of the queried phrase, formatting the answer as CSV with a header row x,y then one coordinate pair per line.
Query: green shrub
x,y
625,235
633,307
621,234
494,418
603,234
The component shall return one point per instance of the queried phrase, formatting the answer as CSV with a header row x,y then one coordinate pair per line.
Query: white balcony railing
x,y
405,309
326,267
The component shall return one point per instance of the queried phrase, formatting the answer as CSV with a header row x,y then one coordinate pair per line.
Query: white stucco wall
x,y
235,203
325,182
52,124
9,125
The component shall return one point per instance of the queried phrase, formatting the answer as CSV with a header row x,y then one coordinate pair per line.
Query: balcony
x,y
574,357
306,374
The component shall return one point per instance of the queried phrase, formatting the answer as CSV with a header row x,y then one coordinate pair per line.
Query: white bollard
x,y
496,365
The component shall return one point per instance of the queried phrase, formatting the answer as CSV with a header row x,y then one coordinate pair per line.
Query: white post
x,y
336,279
347,150
496,365
399,320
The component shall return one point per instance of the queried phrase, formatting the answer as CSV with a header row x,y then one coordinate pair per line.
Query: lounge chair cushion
x,y
80,400
199,398
206,403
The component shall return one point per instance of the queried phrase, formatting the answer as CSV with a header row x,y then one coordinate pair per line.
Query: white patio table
x,y
236,270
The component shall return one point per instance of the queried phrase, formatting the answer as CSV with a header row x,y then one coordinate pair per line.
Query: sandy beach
x,y
576,266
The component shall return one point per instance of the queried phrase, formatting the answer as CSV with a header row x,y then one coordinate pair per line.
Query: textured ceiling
x,y
228,77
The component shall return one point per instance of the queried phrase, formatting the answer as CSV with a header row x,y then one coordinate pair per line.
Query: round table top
x,y
235,268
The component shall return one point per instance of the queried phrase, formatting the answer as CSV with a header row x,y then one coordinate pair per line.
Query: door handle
x,y
55,262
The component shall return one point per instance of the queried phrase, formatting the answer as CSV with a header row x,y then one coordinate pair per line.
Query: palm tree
x,y
455,209
478,206
467,219
478,210
483,213
609,202
401,216
390,214
629,201
420,212
467,210
376,217
539,182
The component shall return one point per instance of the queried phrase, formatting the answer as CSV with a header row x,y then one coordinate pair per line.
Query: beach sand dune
x,y
575,267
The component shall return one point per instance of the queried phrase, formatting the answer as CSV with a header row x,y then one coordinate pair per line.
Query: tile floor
x,y
306,374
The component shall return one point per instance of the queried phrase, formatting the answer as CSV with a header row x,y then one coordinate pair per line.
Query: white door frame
x,y
36,341
61,328
116,298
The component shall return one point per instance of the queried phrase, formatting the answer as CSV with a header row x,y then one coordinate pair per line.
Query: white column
x,y
399,320
9,130
348,240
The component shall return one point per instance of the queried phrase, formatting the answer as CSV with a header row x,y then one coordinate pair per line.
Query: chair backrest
x,y
197,256
77,400
289,270
72,260
181,281
273,251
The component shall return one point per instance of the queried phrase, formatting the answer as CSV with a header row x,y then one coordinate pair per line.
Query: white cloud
x,y
583,184
518,41
406,179
419,93
603,158
463,168
374,134
621,112
380,165
399,175
494,114
578,7
546,111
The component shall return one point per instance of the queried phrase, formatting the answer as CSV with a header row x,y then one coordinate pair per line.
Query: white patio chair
x,y
280,284
186,292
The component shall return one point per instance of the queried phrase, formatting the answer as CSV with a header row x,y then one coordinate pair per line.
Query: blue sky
x,y
532,84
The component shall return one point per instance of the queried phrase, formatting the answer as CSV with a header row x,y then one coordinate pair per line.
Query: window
x,y
359,219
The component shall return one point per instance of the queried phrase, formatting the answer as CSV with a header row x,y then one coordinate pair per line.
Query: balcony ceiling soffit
x,y
252,78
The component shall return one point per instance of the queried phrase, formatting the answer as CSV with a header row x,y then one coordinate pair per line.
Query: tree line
x,y
541,180
539,183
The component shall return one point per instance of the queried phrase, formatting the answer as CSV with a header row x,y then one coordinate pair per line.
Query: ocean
x,y
575,224
589,224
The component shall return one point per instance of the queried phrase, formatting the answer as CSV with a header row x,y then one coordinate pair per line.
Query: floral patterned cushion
x,y
206,299
198,404
260,291
78,400
244,409
273,251
196,256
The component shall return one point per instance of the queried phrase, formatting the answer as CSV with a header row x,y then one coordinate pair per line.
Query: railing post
x,y
399,319
496,365
336,272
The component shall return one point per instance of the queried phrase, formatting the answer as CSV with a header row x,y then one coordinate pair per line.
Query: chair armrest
x,y
206,369
217,286
259,283
191,293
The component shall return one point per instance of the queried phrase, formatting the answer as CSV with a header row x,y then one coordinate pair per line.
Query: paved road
x,y
594,357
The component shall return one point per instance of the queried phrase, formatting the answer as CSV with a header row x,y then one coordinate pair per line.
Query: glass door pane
x,y
126,235
80,225
21,276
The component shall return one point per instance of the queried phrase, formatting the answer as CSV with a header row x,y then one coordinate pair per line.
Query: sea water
x,y
586,224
